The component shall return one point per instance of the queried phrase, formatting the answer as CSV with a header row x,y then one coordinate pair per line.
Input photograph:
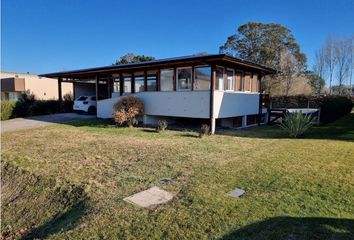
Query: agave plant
x,y
296,124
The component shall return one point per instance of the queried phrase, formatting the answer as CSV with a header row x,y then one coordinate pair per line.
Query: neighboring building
x,y
210,87
13,84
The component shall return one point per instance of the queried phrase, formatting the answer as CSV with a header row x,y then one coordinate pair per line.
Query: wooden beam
x,y
97,87
192,80
158,80
145,81
59,93
174,79
121,83
132,80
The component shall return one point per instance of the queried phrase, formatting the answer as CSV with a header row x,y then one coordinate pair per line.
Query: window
x,y
127,84
252,119
116,85
166,78
139,83
239,81
152,82
184,78
230,80
219,78
202,76
93,98
82,98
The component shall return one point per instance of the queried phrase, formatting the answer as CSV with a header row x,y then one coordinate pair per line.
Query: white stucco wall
x,y
174,104
232,104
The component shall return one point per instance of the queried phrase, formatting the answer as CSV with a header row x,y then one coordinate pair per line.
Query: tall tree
x,y
330,59
342,54
288,68
263,43
132,58
319,69
316,82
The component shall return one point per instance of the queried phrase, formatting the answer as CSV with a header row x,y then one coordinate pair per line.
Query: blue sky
x,y
40,36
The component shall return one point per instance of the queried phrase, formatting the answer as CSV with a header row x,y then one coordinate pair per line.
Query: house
x,y
216,87
13,84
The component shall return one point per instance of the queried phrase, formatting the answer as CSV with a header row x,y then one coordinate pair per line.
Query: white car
x,y
86,104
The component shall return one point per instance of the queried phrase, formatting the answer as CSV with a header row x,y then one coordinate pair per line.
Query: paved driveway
x,y
41,121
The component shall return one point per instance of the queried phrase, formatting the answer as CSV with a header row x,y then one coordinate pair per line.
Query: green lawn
x,y
68,181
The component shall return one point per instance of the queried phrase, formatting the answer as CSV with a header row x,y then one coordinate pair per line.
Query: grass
x,y
295,188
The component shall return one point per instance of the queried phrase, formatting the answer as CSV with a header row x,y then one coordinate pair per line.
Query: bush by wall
x,y
332,107
27,105
7,108
127,110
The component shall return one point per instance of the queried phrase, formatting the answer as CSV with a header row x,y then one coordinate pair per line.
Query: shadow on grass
x,y
61,222
296,228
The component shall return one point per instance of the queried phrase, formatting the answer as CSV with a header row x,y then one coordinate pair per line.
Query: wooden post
x,y
158,80
109,86
121,84
59,93
97,87
132,80
192,80
145,81
174,79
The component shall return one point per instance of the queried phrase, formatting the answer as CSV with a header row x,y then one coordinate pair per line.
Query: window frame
x,y
177,80
173,77
227,80
211,75
143,80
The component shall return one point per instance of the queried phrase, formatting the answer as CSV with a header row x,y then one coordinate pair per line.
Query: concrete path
x,y
41,121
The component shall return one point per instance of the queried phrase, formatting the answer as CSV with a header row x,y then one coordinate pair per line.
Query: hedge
x,y
7,108
332,107
27,106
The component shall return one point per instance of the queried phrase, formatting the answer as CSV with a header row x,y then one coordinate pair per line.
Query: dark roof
x,y
157,62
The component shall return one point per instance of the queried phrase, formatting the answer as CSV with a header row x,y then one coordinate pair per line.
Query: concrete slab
x,y
41,121
150,198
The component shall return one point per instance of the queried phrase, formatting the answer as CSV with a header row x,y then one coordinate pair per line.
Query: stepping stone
x,y
150,198
237,192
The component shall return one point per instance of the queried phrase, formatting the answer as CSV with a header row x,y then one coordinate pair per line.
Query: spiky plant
x,y
296,124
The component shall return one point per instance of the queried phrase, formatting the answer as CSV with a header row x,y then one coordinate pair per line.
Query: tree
x,y
288,67
330,59
264,44
132,58
316,78
316,82
342,55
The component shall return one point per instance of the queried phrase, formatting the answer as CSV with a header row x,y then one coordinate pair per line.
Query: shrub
x,y
127,110
297,124
335,107
204,130
24,104
7,108
68,103
161,125
43,107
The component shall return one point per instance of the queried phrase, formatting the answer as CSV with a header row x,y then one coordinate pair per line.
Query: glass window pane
x,y
127,85
219,78
184,78
230,80
139,83
166,76
116,85
202,76
151,83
